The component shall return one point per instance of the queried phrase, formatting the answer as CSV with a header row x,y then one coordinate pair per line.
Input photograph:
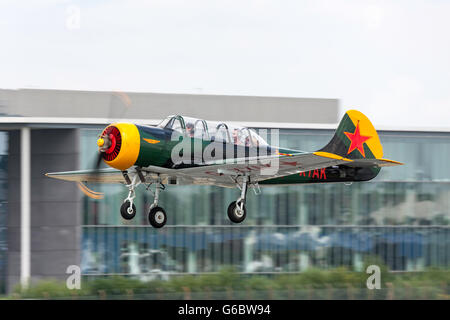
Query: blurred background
x,y
70,68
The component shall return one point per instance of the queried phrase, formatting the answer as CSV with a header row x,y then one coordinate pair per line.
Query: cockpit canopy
x,y
213,131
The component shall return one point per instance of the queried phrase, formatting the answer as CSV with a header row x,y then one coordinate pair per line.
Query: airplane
x,y
188,151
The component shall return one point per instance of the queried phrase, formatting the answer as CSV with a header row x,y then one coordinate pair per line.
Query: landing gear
x,y
236,209
128,210
157,216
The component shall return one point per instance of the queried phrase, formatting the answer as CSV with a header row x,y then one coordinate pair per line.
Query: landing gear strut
x,y
236,209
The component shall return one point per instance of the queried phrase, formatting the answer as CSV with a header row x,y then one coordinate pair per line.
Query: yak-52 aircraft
x,y
182,150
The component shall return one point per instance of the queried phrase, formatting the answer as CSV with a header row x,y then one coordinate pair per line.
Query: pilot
x,y
247,141
190,129
236,139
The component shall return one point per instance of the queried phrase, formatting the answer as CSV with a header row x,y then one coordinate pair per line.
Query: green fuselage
x,y
163,142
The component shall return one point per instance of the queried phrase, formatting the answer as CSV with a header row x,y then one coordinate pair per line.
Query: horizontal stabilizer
x,y
360,162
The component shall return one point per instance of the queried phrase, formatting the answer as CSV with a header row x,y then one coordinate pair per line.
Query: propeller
x,y
103,143
121,102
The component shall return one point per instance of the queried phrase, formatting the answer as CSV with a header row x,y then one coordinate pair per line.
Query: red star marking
x,y
357,140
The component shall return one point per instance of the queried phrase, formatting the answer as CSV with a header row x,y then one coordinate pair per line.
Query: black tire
x,y
157,217
124,210
233,214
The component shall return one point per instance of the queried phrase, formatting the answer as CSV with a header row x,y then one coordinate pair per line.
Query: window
x,y
175,124
200,130
256,139
164,123
222,133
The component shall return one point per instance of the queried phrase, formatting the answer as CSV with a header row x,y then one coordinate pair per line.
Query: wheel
x,y
235,214
127,212
157,217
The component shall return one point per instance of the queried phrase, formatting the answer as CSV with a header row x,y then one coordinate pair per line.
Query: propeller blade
x,y
98,161
119,103
97,164
93,177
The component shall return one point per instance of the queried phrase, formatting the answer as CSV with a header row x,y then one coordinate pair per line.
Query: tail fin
x,y
355,138
356,141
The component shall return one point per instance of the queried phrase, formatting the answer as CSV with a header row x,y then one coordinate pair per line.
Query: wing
x,y
221,173
110,175
107,175
262,168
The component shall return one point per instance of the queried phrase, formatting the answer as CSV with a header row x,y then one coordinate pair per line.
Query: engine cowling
x,y
120,144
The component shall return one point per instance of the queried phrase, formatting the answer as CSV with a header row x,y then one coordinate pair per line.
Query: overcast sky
x,y
389,59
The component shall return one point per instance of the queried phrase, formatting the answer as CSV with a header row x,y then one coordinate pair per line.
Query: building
x,y
402,216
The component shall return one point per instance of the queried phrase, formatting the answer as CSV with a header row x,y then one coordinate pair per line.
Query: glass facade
x,y
3,208
402,217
